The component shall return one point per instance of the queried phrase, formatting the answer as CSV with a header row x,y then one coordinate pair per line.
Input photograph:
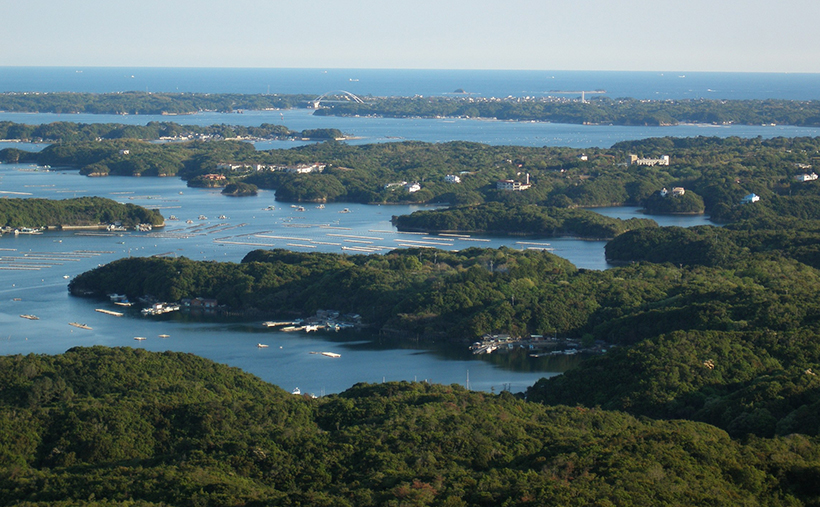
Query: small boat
x,y
222,217
164,336
261,346
202,217
66,277
321,206
30,317
79,325
139,338
331,354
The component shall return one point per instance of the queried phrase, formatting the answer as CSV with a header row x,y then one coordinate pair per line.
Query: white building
x,y
452,178
635,160
806,177
750,198
513,185
412,187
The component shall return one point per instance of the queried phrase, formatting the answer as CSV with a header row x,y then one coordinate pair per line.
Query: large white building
x,y
513,185
635,160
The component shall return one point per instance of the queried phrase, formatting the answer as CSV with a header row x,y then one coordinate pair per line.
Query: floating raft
x,y
109,312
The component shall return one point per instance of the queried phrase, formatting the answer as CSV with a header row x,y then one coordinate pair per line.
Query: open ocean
x,y
409,82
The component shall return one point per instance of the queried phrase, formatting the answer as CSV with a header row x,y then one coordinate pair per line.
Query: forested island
x,y
69,132
99,426
599,110
519,219
716,174
80,212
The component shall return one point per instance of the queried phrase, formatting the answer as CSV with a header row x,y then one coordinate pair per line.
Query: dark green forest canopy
x,y
80,211
711,246
718,171
98,426
700,342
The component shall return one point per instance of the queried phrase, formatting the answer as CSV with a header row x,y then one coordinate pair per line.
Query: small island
x,y
27,215
519,220
678,201
240,189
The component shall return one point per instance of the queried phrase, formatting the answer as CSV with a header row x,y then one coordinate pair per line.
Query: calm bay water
x,y
34,270
379,130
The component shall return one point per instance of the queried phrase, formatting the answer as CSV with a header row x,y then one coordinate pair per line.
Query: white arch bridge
x,y
335,96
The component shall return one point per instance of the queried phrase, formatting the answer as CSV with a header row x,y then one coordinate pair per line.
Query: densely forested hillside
x,y
715,173
101,426
80,211
709,245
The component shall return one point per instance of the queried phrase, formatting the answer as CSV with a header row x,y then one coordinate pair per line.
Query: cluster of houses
x,y
410,187
295,169
538,345
676,191
514,185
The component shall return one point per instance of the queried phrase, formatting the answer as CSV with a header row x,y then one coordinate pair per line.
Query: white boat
x,y
331,354
164,336
139,338
261,345
30,317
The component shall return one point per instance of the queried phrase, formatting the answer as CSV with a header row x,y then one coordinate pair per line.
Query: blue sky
x,y
692,35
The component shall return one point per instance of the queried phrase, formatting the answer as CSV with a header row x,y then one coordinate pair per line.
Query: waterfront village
x,y
537,345
330,320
